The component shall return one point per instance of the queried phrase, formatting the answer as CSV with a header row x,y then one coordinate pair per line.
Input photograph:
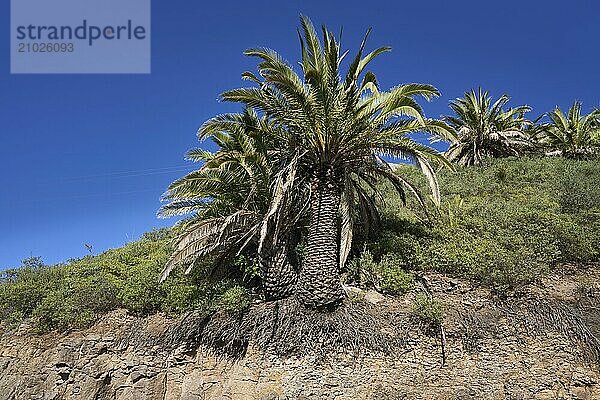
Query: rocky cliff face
x,y
510,349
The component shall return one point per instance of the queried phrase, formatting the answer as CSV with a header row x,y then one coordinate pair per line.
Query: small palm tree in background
x,y
325,136
572,135
484,129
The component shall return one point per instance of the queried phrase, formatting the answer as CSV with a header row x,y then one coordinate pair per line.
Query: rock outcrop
x,y
493,350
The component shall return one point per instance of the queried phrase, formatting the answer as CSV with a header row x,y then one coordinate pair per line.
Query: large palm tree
x,y
335,129
485,129
573,135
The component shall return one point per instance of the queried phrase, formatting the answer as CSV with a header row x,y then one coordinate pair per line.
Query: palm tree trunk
x,y
279,276
319,279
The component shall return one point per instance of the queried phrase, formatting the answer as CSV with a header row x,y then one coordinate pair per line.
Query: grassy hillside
x,y
74,294
503,224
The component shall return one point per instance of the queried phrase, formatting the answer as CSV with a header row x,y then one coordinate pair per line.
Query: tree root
x,y
286,327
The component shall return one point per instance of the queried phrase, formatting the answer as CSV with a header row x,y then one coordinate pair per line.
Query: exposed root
x,y
571,320
185,333
188,332
477,326
285,327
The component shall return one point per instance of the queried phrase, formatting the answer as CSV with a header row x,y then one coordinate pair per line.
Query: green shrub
x,y
578,185
361,269
76,303
387,275
181,295
73,295
234,300
428,309
23,289
394,279
504,224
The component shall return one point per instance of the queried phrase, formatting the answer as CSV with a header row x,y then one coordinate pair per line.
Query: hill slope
x,y
533,347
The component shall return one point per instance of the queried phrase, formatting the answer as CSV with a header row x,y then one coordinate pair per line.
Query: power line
x,y
91,195
120,175
133,173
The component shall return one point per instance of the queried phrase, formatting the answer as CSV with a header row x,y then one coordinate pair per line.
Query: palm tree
x,y
228,197
573,135
485,129
332,132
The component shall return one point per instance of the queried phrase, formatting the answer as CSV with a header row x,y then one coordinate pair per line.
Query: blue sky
x,y
85,158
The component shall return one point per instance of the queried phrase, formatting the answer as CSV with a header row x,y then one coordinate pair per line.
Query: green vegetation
x,y
387,275
235,299
505,223
73,295
428,309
